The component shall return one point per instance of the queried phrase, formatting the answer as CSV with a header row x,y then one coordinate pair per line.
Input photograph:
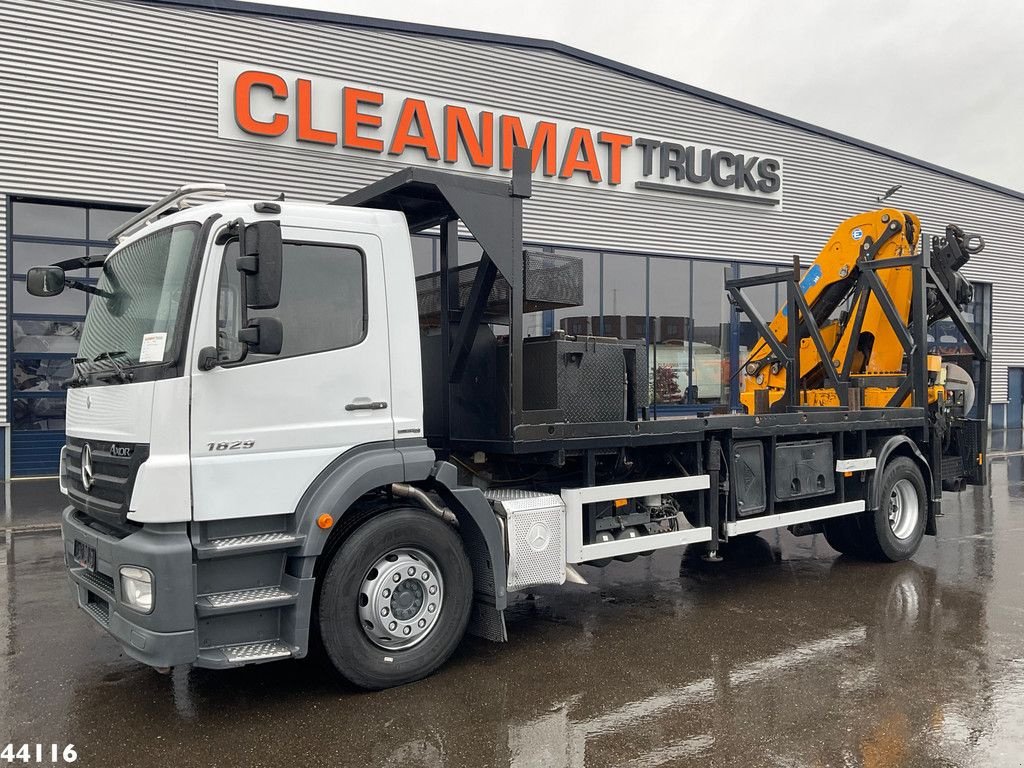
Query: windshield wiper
x,y
120,372
81,375
78,378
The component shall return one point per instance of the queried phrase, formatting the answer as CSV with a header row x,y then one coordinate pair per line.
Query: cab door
x,y
264,427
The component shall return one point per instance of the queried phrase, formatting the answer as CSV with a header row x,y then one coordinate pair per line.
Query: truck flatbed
x,y
530,438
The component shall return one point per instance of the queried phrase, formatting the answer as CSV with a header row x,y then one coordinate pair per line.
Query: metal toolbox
x,y
584,379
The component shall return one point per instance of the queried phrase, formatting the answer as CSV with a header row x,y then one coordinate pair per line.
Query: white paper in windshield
x,y
153,348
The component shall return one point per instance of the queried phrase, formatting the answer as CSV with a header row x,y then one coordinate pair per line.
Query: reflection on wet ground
x,y
783,655
1006,441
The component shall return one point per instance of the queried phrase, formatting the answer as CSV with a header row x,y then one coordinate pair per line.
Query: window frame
x,y
364,272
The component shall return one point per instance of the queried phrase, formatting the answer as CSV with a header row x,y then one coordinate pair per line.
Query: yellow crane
x,y
854,307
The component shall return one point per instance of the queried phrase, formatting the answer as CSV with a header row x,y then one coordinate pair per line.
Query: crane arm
x,y
862,336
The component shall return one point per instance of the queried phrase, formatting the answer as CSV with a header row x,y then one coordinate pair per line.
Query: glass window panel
x,y
70,302
46,335
670,299
103,220
40,374
48,220
625,297
766,300
143,289
37,413
317,281
536,324
944,338
669,355
577,321
710,332
96,253
26,255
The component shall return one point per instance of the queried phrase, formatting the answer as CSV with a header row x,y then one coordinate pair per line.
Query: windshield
x,y
141,289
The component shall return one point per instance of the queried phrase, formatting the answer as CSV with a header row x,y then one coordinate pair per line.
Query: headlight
x,y
137,588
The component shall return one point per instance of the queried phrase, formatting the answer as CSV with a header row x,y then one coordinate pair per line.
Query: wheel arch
x,y
344,489
349,478
887,448
481,531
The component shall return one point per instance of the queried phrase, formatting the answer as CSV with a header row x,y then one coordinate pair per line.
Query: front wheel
x,y
395,599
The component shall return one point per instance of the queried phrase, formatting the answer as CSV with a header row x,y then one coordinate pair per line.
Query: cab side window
x,y
323,300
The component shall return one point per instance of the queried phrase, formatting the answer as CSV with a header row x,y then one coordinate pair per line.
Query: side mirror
x,y
45,281
259,262
263,335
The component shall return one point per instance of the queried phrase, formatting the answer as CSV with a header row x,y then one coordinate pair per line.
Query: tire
x,y
844,535
369,573
895,530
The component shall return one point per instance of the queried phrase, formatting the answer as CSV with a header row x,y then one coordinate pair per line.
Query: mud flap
x,y
484,539
487,622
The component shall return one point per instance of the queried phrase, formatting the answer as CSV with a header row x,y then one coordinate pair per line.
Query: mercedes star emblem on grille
x,y
87,475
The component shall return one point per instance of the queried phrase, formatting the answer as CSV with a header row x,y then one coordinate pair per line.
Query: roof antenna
x,y
280,197
889,193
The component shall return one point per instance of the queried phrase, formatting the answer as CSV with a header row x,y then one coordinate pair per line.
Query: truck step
x,y
239,600
100,611
255,542
99,583
250,652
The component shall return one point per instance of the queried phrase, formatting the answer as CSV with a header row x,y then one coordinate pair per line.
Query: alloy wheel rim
x,y
904,509
400,598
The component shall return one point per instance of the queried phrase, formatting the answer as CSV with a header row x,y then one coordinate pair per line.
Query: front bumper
x,y
166,637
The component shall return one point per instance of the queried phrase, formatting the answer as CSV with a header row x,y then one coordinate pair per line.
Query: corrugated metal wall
x,y
118,101
3,303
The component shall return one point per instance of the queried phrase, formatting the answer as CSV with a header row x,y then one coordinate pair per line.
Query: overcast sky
x,y
941,80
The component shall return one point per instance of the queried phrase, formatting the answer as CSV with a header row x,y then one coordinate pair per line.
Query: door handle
x,y
377,405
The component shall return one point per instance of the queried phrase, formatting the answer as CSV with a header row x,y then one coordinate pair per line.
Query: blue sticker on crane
x,y
810,280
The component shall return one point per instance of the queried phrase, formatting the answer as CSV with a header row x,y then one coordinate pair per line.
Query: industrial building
x,y
662,189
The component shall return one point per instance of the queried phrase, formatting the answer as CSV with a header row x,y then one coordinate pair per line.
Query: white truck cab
x,y
173,422
246,438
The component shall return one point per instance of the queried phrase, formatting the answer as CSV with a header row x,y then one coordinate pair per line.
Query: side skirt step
x,y
245,653
240,600
256,542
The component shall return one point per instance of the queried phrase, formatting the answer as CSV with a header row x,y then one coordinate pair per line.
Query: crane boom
x,y
864,336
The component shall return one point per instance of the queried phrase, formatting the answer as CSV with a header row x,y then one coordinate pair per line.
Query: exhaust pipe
x,y
406,491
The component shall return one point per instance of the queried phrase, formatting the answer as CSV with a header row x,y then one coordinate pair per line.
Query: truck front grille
x,y
114,469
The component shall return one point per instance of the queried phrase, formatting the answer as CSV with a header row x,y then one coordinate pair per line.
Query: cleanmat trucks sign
x,y
286,108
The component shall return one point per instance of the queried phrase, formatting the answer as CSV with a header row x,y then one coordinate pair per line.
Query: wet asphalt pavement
x,y
783,655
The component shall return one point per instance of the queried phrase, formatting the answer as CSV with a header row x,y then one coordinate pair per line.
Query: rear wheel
x,y
899,522
894,531
395,599
844,535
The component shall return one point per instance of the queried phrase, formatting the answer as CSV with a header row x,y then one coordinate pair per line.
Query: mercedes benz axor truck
x,y
280,437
